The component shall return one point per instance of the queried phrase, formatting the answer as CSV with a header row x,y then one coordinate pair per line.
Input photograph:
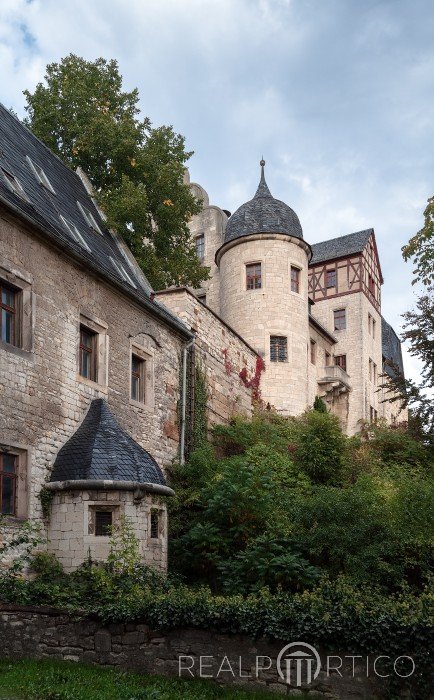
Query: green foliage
x,y
320,447
19,547
319,405
46,566
277,501
420,248
200,425
124,556
84,116
46,498
62,680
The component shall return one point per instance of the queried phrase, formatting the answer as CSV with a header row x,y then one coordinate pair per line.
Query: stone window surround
x,y
156,541
102,342
297,265
91,507
22,281
23,475
341,307
278,334
244,275
143,351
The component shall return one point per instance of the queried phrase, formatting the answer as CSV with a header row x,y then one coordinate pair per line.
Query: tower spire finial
x,y
262,190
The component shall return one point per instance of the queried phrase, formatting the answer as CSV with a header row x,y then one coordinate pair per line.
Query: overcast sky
x,y
337,95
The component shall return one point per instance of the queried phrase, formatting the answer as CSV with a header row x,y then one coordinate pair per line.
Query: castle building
x,y
96,370
313,312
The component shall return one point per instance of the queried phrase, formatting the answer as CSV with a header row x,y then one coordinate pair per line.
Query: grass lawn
x,y
57,680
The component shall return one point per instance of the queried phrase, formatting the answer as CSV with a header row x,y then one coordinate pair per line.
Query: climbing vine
x,y
46,499
254,382
200,423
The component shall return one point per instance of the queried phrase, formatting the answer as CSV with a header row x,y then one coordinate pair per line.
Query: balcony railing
x,y
336,377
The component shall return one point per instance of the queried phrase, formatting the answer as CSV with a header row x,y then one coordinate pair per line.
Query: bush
x,y
320,447
46,566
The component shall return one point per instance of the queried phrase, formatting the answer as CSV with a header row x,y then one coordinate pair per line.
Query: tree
x,y
84,116
419,330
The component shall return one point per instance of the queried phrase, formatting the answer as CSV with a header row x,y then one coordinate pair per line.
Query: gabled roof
x,y
102,252
391,347
340,247
100,450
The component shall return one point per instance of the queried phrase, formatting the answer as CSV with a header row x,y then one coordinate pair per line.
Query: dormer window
x,y
40,175
13,184
122,272
75,233
89,218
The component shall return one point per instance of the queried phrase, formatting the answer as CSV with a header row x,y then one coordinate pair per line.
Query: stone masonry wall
x,y
230,659
42,396
221,351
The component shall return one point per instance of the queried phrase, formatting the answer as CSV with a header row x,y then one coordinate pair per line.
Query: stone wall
x,y
221,352
229,659
42,396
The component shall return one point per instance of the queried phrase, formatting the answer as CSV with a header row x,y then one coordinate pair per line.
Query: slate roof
x,y
99,449
340,247
391,346
43,209
263,214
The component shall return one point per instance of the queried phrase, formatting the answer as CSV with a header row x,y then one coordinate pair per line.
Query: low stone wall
x,y
229,659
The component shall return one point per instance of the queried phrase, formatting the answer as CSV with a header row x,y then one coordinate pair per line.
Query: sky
x,y
336,95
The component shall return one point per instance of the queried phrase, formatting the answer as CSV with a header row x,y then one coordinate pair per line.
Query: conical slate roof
x,y
263,214
101,450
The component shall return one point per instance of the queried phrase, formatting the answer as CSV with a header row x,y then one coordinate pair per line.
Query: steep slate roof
x,y
263,214
43,210
101,450
340,247
391,346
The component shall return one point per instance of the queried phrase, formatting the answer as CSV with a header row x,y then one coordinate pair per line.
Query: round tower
x,y
263,266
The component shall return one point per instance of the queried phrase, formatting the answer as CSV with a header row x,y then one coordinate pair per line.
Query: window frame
x,y
120,269
15,310
13,184
295,282
14,481
255,277
333,284
100,529
154,524
337,319
140,375
276,356
89,218
75,233
341,361
199,241
92,350
312,351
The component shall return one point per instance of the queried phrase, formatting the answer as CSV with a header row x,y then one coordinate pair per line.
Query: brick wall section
x,y
49,633
222,352
42,398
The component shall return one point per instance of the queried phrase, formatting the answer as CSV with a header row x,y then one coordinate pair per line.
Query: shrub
x,y
46,566
320,447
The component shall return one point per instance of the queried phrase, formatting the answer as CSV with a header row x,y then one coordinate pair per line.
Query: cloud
x,y
338,96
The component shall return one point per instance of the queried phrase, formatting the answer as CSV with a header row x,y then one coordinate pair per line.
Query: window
x,y
9,318
374,373
371,285
295,279
313,352
374,323
103,523
40,175
340,319
200,246
341,361
278,348
370,370
89,218
373,414
75,233
138,373
88,354
253,276
155,522
8,483
330,278
122,272
13,184
327,359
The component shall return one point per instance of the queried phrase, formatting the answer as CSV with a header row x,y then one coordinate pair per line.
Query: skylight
x,y
122,272
89,218
14,184
75,233
40,175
